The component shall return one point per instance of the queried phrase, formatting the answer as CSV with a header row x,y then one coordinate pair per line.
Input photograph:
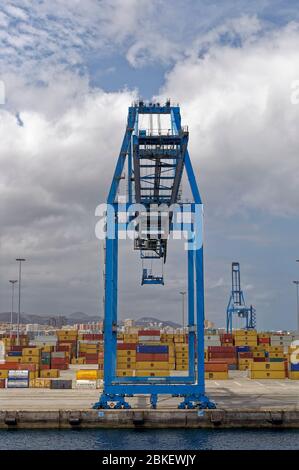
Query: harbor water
x,y
150,439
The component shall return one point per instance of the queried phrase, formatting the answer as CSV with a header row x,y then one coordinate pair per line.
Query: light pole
x,y
19,309
297,289
183,293
12,299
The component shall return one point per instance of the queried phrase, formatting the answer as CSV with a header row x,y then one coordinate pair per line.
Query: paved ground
x,y
238,392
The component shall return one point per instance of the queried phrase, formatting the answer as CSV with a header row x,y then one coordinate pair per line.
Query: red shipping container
x,y
92,356
216,366
91,361
263,340
259,359
125,346
149,333
152,357
61,366
45,367
218,355
59,360
245,355
61,348
2,383
18,366
227,337
17,348
222,349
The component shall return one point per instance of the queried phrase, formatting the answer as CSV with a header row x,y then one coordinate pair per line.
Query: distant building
x,y
128,323
57,322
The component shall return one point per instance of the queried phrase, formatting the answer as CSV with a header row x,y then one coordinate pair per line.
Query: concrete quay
x,y
241,402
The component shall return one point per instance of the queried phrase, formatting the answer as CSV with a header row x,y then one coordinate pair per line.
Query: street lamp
x,y
19,260
297,289
12,299
183,293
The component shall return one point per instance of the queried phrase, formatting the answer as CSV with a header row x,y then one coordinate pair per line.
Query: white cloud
x,y
243,127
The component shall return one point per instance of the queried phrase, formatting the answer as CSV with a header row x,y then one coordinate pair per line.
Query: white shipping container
x,y
86,384
144,339
212,343
10,383
18,374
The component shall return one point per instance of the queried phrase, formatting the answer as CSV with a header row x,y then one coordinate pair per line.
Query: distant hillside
x,y
77,317
81,317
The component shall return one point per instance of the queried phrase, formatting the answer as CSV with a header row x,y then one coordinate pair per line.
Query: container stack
x,y
126,359
225,354
226,339
281,340
59,360
45,360
152,361
17,379
88,379
67,342
216,370
267,370
245,338
152,336
181,356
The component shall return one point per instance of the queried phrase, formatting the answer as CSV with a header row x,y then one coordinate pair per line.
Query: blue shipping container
x,y
294,367
15,353
243,348
141,348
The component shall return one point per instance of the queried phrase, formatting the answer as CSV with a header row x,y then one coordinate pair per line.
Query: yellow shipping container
x,y
47,348
13,359
126,365
277,355
125,373
144,365
294,375
245,361
89,374
259,354
50,373
31,359
181,367
40,383
126,352
243,366
245,343
181,347
277,349
33,375
182,355
78,360
151,373
216,375
273,366
31,352
3,374
267,374
245,333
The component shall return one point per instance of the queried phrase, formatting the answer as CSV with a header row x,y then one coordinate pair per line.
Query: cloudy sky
x,y
71,68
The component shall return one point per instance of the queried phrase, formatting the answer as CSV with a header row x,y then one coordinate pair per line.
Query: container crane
x,y
236,305
156,161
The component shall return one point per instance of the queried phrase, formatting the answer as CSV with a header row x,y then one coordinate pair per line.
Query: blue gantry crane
x,y
236,305
152,163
